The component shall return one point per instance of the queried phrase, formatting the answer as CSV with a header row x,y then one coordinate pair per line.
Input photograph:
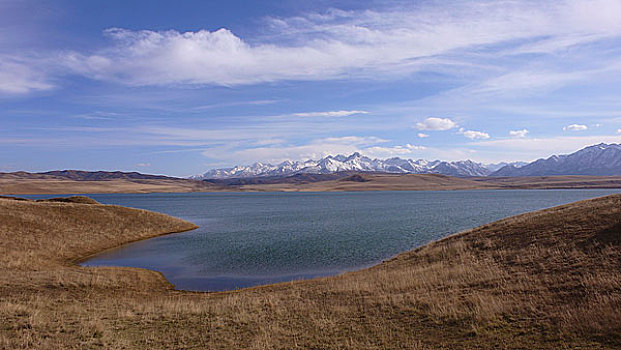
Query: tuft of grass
x,y
548,279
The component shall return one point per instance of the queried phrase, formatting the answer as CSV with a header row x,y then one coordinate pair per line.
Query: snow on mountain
x,y
354,162
461,168
496,166
602,159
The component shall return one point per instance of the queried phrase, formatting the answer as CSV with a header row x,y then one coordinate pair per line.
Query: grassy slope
x,y
60,186
549,279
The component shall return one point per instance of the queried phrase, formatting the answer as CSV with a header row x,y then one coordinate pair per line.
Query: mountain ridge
x,y
598,160
354,162
601,159
83,175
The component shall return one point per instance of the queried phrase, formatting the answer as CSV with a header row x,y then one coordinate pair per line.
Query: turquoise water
x,y
248,239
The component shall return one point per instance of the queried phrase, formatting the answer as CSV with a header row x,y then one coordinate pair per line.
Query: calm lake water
x,y
248,239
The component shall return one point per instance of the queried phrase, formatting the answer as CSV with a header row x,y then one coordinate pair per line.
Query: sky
x,y
180,87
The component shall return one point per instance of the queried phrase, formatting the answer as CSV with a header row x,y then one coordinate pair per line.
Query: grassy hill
x,y
548,279
74,181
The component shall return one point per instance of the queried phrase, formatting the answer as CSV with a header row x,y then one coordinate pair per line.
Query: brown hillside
x,y
549,279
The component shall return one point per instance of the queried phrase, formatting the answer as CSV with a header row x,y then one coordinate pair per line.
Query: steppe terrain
x,y
549,279
73,182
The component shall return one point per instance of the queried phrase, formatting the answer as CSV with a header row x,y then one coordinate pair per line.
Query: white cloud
x,y
528,82
473,135
518,133
20,77
619,131
336,44
143,165
434,123
354,140
421,135
386,152
330,114
575,127
238,103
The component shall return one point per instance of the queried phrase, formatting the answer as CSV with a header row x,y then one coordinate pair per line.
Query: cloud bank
x,y
345,44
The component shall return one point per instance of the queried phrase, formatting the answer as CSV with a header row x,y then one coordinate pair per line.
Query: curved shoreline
x,y
372,266
89,256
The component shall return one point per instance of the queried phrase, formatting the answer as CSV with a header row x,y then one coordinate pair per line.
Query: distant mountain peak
x,y
601,159
355,155
356,162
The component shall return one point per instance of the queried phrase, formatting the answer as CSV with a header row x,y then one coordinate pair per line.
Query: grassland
x,y
549,279
67,186
436,182
25,183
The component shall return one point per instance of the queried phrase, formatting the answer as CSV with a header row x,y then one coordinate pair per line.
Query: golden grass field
x,y
66,186
45,184
544,280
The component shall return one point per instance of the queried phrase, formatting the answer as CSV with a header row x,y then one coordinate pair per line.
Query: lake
x,y
248,239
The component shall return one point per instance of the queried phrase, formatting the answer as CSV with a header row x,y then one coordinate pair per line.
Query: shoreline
x,y
78,261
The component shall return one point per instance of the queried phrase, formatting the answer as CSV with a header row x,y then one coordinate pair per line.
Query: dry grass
x,y
61,186
549,279
559,181
46,184
378,182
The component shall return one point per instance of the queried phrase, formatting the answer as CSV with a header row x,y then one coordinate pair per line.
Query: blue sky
x,y
180,87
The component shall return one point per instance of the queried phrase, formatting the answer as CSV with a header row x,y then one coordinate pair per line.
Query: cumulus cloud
x,y
518,133
473,135
421,135
330,114
575,127
434,123
619,131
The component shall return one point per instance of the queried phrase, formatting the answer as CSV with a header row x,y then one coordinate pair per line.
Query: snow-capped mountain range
x,y
601,159
353,162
